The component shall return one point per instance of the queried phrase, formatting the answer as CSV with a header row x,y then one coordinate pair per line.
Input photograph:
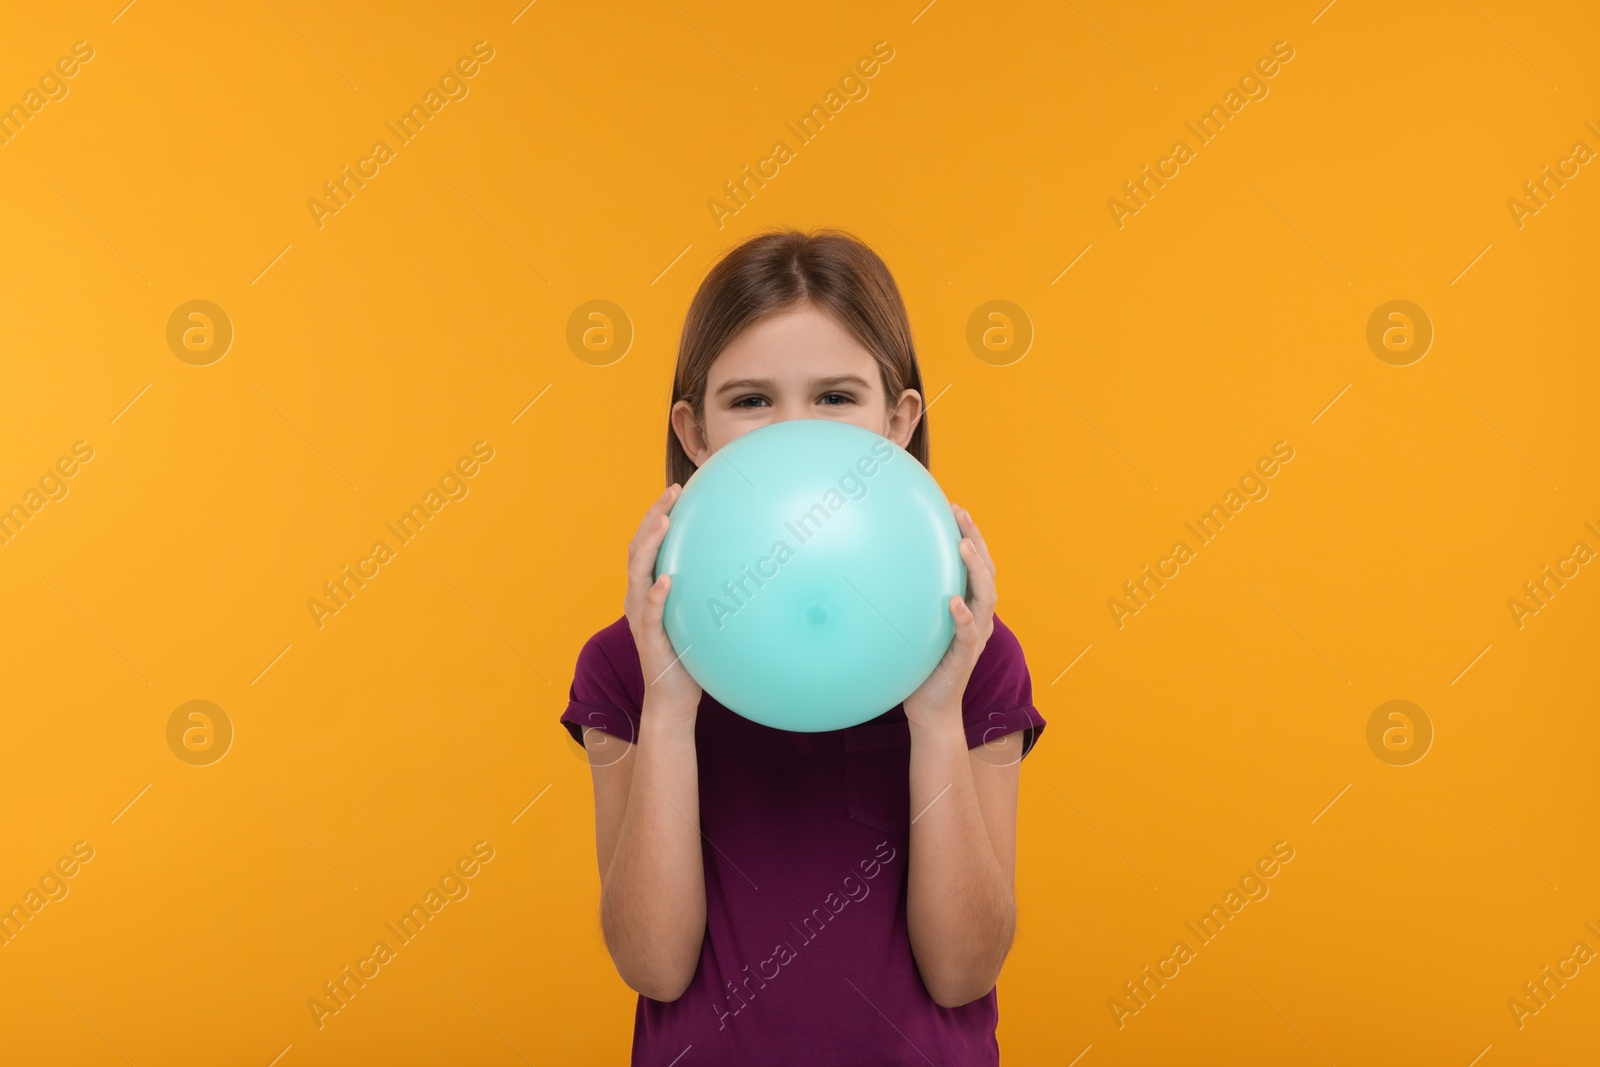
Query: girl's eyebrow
x,y
766,383
841,379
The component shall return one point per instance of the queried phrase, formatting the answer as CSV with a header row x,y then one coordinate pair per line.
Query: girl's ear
x,y
904,416
690,435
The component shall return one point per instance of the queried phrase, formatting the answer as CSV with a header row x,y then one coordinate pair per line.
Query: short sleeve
x,y
999,695
607,686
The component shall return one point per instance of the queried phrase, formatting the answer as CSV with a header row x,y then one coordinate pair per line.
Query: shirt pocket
x,y
877,775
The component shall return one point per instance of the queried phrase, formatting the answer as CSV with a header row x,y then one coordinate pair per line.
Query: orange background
x,y
371,353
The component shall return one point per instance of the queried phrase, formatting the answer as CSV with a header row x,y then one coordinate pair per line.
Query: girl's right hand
x,y
667,682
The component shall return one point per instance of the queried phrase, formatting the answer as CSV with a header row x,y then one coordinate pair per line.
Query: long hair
x,y
781,270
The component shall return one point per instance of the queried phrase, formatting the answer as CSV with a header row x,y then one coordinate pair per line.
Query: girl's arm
x,y
647,799
647,838
960,904
960,897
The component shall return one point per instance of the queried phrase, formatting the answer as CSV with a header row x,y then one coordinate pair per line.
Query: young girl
x,y
779,897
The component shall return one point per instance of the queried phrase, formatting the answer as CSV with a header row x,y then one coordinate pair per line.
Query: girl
x,y
770,894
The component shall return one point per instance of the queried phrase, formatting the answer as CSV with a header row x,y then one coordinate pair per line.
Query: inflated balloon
x,y
812,566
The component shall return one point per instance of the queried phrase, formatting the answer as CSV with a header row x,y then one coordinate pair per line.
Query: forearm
x,y
960,908
653,901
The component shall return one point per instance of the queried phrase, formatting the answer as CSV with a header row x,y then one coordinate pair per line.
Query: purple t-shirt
x,y
806,958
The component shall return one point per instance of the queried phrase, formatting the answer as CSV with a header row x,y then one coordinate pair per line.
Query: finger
x,y
647,542
981,578
970,529
962,654
655,603
661,504
642,558
966,622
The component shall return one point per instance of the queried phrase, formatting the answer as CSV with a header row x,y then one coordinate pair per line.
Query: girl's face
x,y
797,364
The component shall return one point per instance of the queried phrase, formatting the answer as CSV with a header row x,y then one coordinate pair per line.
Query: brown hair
x,y
780,270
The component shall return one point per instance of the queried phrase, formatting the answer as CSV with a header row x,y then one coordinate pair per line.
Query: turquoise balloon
x,y
812,565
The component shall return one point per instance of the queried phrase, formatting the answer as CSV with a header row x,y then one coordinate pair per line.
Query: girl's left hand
x,y
937,701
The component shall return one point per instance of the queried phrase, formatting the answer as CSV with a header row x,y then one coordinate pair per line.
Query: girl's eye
x,y
834,399
749,401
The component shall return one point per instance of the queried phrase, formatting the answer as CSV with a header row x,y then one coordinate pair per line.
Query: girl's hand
x,y
667,682
937,701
